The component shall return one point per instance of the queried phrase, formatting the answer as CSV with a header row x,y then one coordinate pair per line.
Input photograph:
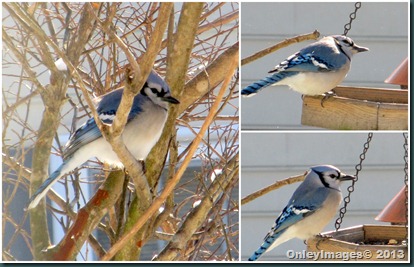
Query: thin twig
x,y
268,189
300,38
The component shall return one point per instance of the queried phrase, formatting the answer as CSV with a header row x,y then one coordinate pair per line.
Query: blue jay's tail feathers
x,y
267,243
255,87
44,188
67,166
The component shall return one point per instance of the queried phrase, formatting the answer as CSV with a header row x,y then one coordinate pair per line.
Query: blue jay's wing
x,y
290,215
313,58
85,134
302,204
302,63
107,107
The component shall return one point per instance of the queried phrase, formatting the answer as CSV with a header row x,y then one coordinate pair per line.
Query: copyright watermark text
x,y
344,255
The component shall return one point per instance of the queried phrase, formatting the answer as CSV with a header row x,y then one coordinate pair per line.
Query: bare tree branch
x,y
88,217
197,215
300,38
173,182
274,186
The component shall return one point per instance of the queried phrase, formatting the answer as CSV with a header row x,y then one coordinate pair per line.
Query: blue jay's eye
x,y
332,176
349,41
154,91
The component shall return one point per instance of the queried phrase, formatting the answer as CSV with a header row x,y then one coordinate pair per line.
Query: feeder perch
x,y
396,210
367,242
358,108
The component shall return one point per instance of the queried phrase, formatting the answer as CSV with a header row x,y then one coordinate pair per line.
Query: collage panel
x,y
315,78
120,131
291,187
301,49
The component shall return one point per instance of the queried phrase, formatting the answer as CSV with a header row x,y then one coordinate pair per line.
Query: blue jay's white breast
x,y
314,83
143,132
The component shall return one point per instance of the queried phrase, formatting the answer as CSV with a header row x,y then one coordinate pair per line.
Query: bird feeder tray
x,y
358,108
362,243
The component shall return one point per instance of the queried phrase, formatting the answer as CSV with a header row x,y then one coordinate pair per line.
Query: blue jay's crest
x,y
309,210
314,70
144,126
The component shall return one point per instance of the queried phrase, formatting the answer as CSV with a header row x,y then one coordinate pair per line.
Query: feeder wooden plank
x,y
398,96
334,245
374,232
342,241
339,113
329,245
350,234
393,117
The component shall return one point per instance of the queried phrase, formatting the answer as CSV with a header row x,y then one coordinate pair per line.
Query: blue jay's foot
x,y
324,236
143,166
319,236
327,95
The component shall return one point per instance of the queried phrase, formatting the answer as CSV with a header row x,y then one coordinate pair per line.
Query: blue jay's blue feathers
x,y
313,70
289,216
269,80
89,131
310,208
295,211
143,129
303,63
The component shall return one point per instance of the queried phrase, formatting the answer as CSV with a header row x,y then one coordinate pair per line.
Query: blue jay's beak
x,y
170,99
359,49
346,177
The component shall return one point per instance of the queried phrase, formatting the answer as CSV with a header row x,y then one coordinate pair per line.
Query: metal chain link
x,y
352,16
406,183
351,188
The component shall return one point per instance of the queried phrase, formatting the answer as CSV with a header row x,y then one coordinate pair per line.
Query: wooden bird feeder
x,y
362,243
358,108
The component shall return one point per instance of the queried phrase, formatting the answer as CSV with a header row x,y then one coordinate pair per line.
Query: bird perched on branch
x,y
314,70
311,207
143,129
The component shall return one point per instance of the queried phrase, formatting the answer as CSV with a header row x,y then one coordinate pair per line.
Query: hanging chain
x,y
352,16
351,188
406,183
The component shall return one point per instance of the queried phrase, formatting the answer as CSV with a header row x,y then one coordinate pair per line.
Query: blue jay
x,y
314,70
311,207
143,129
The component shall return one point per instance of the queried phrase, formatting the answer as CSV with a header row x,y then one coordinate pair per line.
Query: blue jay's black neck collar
x,y
340,48
320,175
323,181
